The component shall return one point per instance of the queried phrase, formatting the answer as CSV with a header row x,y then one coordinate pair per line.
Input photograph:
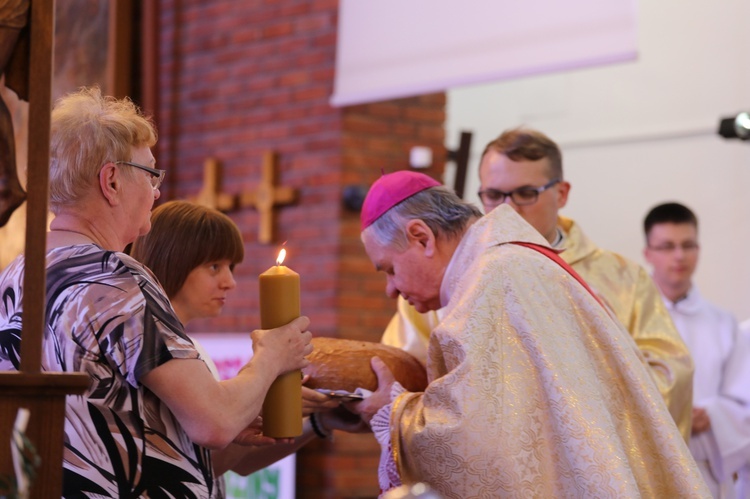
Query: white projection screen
x,y
388,49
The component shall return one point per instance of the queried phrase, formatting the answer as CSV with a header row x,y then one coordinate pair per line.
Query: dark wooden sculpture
x,y
13,19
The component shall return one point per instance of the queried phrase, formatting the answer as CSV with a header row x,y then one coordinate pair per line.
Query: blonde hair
x,y
88,130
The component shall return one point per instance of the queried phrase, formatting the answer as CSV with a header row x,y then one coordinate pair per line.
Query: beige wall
x,y
636,134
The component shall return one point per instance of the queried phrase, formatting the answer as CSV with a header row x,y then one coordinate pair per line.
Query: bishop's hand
x,y
368,407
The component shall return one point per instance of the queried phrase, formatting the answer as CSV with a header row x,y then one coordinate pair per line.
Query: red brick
x,y
365,124
326,5
425,114
279,29
294,78
312,93
324,40
438,99
293,10
314,22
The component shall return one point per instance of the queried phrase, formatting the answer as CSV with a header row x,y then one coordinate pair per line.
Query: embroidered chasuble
x,y
535,390
627,290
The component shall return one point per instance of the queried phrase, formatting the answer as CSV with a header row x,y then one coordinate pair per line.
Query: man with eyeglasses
x,y
720,439
523,169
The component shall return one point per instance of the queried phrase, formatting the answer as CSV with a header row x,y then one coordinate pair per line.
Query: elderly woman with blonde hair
x,y
153,411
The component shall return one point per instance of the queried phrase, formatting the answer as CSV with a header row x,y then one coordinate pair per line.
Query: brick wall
x,y
374,136
378,137
239,78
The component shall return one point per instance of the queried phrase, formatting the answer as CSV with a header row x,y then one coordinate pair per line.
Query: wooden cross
x,y
211,195
266,196
263,199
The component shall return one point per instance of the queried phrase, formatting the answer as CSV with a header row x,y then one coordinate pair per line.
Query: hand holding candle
x,y
279,305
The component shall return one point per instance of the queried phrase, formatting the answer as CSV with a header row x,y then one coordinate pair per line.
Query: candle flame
x,y
282,255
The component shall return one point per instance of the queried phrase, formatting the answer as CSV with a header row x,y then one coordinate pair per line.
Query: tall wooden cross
x,y
211,194
265,197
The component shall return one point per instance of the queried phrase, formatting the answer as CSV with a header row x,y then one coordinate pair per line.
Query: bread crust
x,y
339,364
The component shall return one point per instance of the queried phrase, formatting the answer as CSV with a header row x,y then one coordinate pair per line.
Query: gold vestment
x,y
535,390
628,291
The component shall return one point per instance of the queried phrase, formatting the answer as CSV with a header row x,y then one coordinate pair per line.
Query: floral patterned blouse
x,y
107,316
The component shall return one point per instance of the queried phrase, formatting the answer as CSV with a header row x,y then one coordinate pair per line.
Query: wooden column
x,y
44,396
42,393
461,157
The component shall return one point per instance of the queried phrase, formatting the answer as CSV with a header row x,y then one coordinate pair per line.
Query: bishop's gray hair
x,y
439,208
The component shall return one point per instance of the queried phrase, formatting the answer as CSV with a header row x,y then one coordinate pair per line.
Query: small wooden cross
x,y
266,196
211,195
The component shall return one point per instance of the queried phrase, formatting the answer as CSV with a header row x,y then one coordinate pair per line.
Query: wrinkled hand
x,y
367,408
701,421
314,401
286,345
253,435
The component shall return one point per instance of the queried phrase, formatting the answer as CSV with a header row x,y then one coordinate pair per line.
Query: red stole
x,y
552,254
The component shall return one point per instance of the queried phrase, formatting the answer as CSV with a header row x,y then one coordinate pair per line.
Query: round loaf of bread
x,y
337,364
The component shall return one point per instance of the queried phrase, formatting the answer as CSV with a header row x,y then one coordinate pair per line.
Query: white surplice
x,y
742,485
721,386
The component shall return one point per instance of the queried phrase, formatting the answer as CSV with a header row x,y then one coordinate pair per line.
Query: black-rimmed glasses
x,y
521,197
157,176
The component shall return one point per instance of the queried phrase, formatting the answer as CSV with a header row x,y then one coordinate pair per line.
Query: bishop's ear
x,y
418,231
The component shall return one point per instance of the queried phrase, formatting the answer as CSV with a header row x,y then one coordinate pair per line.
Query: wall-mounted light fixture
x,y
420,157
737,127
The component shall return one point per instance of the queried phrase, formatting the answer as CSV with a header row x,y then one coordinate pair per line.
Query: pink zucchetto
x,y
389,190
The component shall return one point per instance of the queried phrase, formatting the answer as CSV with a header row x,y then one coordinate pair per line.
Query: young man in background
x,y
720,434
